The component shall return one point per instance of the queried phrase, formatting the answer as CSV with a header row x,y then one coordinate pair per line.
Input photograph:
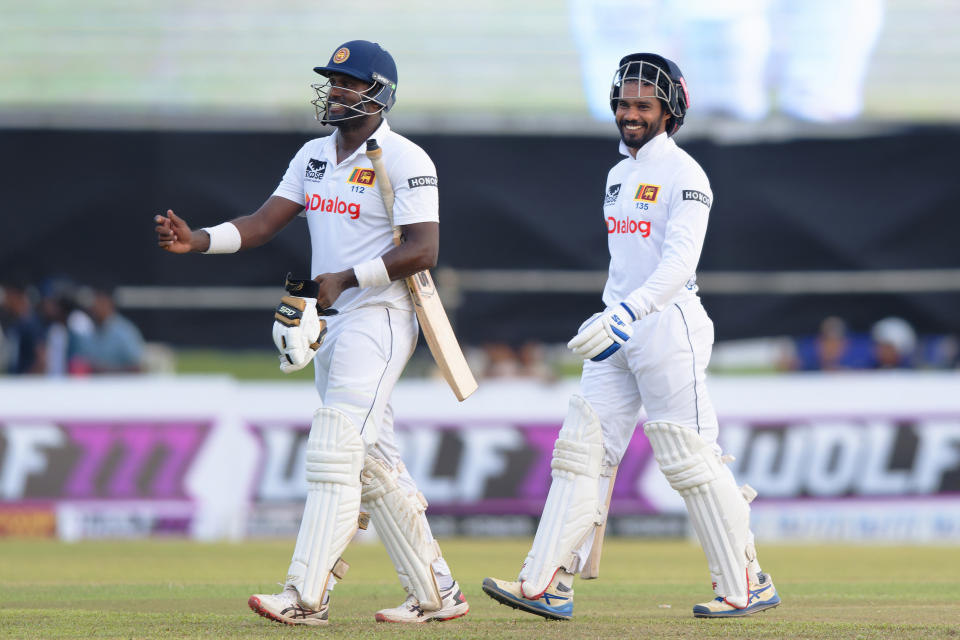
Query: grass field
x,y
178,589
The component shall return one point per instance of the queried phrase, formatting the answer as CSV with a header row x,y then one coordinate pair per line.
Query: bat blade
x,y
591,568
439,335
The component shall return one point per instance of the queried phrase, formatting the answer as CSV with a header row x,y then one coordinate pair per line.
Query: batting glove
x,y
602,335
297,331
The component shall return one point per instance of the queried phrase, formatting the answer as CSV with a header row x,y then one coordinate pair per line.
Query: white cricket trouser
x,y
355,371
661,368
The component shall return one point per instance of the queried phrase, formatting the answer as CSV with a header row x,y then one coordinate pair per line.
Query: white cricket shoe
x,y
762,595
452,605
555,603
285,607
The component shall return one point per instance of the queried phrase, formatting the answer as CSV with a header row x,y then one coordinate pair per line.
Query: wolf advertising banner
x,y
842,457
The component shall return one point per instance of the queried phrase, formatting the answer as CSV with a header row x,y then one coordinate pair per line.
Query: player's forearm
x,y
676,267
667,280
409,258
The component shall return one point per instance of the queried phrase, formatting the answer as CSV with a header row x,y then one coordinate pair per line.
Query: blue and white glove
x,y
603,334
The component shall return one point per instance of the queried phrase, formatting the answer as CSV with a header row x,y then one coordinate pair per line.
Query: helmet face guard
x,y
656,71
372,94
365,61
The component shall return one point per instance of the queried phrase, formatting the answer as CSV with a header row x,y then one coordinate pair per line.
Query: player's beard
x,y
352,117
635,140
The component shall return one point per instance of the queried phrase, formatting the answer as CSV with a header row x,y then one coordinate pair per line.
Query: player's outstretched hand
x,y
603,334
173,234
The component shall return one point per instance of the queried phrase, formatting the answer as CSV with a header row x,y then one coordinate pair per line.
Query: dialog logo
x,y
628,225
315,202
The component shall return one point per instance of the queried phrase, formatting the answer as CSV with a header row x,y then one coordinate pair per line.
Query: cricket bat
x,y
591,568
430,312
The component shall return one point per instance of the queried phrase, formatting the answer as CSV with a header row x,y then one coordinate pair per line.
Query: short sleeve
x,y
291,186
416,193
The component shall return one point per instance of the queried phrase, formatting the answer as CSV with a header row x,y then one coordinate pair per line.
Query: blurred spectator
x,y
24,335
894,344
502,361
115,344
941,352
527,361
833,349
533,363
67,325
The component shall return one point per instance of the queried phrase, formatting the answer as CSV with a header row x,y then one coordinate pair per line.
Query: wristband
x,y
372,273
224,238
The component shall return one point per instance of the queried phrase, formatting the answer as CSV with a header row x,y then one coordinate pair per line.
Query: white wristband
x,y
224,238
372,273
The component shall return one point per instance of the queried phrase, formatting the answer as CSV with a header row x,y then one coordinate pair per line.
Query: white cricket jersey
x,y
655,207
348,223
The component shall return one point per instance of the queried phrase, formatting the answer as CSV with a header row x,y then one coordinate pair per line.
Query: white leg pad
x,y
334,461
718,510
398,517
573,508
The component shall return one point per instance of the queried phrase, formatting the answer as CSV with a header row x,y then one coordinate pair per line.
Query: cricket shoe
x,y
452,605
285,607
555,603
762,595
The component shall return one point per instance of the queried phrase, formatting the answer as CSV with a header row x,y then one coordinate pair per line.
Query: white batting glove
x,y
297,331
604,333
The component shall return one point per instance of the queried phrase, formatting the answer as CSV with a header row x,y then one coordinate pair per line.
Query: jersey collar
x,y
650,149
378,135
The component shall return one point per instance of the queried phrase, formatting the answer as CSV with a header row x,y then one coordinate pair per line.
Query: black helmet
x,y
649,68
366,61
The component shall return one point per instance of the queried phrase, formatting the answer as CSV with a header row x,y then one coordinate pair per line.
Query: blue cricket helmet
x,y
366,61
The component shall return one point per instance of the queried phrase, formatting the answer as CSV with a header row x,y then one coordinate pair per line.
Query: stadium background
x,y
112,112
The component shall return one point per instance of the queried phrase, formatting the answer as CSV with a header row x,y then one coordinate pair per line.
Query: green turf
x,y
175,589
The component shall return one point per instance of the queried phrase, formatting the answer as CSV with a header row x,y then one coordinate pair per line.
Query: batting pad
x,y
573,507
398,517
718,509
334,461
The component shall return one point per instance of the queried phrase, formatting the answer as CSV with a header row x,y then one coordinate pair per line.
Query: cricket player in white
x,y
650,348
360,351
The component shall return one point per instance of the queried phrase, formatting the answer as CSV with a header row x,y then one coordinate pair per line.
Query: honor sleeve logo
x,y
610,197
699,196
422,181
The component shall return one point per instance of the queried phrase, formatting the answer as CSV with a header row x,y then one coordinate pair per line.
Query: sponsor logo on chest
x,y
628,226
315,169
610,197
316,202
